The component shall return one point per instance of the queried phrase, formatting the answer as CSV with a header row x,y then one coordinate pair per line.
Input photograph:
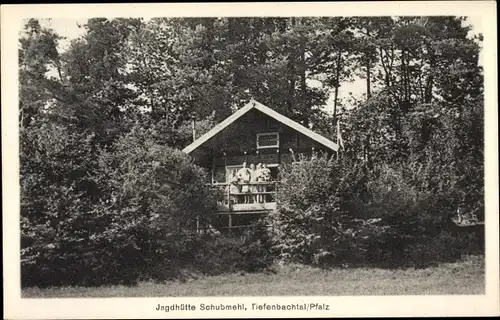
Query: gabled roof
x,y
271,113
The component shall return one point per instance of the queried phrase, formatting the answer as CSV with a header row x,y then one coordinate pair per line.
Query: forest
x,y
107,195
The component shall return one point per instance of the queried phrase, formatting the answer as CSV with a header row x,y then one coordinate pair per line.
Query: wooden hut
x,y
253,134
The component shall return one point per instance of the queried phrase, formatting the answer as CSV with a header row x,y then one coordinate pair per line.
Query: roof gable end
x,y
268,111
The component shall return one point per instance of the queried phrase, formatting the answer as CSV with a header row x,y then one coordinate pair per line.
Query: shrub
x,y
212,254
56,202
231,254
339,213
309,225
110,224
257,248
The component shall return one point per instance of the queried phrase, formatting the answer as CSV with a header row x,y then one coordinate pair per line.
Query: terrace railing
x,y
259,193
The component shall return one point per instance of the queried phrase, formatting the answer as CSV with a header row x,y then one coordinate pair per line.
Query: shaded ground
x,y
464,277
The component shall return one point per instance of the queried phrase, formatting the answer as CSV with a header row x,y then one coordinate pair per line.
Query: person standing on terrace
x,y
259,178
244,178
253,179
266,176
234,187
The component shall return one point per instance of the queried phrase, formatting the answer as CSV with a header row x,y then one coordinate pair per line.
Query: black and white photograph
x,y
222,163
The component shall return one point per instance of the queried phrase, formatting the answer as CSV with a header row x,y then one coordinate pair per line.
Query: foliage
x,y
154,182
338,213
310,221
210,255
110,223
249,252
103,184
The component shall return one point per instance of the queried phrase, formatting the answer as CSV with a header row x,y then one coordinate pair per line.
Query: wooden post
x,y
194,130
339,139
230,222
225,166
213,169
228,196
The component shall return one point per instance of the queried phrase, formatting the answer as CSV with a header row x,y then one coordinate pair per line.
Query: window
x,y
268,140
272,124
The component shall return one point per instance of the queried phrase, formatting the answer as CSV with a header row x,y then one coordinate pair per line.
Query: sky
x,y
69,28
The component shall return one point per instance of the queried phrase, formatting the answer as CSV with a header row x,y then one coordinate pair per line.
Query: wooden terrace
x,y
236,213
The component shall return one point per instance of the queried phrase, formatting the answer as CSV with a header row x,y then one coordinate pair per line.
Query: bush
x,y
110,223
339,213
247,252
309,225
211,254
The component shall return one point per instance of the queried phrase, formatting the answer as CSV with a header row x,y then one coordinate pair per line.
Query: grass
x,y
463,277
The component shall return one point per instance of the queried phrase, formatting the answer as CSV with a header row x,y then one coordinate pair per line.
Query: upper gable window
x,y
268,140
272,125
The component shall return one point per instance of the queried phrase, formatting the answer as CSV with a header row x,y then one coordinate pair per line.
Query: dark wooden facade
x,y
238,143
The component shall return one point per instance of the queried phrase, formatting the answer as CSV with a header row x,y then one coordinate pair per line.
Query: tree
x,y
98,93
334,54
100,122
75,227
37,55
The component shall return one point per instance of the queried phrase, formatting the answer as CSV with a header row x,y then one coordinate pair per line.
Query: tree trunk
x,y
368,69
291,74
291,88
407,76
337,85
303,85
368,79
403,75
336,94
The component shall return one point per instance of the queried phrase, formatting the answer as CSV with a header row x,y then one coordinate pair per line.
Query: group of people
x,y
246,180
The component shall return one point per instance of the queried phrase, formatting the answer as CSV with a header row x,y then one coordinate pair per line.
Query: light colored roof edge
x,y
297,126
219,127
266,110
